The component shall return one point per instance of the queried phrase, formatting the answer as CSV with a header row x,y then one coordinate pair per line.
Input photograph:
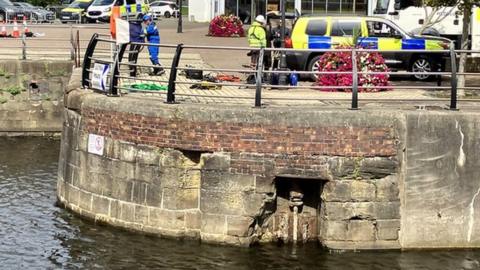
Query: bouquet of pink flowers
x,y
342,62
226,26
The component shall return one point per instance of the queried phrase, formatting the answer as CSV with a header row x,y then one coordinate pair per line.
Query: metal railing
x,y
121,73
47,41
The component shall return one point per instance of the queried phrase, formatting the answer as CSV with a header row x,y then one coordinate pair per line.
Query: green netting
x,y
148,86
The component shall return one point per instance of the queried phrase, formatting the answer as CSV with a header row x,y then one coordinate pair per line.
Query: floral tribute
x,y
226,26
342,62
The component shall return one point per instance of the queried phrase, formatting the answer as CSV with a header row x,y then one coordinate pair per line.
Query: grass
x,y
3,100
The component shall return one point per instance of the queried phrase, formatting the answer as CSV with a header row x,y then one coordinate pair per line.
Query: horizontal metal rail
x,y
126,76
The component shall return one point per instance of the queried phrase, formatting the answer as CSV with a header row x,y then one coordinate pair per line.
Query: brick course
x,y
283,143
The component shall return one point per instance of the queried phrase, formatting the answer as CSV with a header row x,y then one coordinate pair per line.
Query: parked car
x,y
57,8
100,10
36,13
164,8
9,12
322,32
75,12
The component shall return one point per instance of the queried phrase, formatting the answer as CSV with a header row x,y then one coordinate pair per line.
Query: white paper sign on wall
x,y
96,143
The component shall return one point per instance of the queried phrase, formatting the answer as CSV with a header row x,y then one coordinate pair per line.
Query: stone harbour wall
x,y
239,176
31,96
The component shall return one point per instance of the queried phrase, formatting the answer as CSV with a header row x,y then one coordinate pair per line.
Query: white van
x,y
100,10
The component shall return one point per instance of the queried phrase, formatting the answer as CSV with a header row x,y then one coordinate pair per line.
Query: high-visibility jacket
x,y
257,37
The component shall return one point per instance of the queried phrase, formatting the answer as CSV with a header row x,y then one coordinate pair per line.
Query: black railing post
x,y
453,79
87,61
173,74
113,90
354,81
258,91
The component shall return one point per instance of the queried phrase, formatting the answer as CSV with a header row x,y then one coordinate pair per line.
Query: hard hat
x,y
260,19
147,17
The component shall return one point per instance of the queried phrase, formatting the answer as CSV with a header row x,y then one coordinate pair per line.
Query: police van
x,y
318,32
100,10
412,18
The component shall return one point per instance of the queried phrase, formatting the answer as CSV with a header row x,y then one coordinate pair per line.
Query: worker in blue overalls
x,y
152,35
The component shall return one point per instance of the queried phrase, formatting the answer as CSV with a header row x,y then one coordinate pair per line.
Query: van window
x,y
381,29
316,28
119,3
102,2
131,2
344,28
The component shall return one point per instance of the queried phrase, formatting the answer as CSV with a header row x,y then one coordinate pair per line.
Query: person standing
x,y
152,35
257,38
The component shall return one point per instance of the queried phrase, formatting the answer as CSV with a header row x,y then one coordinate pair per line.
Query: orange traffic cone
x,y
15,33
26,31
3,31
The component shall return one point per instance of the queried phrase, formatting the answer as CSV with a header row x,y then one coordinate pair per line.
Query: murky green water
x,y
35,234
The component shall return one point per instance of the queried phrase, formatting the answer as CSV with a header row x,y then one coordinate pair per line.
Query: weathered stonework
x,y
239,175
31,96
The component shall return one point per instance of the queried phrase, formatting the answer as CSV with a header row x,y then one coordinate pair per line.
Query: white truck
x,y
411,18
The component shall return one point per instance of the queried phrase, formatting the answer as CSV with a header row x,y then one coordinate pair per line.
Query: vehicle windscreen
x,y
382,6
5,3
82,5
102,2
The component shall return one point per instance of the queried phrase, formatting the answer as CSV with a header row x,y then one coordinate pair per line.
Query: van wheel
x,y
422,63
167,14
314,65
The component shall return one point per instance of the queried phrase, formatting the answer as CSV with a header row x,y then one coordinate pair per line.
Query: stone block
x,y
72,194
193,220
115,209
387,210
387,188
222,202
139,192
154,195
362,191
341,167
360,230
336,191
349,210
166,219
147,173
192,178
173,177
264,184
215,161
122,170
100,205
128,152
127,212
85,200
98,164
112,148
377,167
122,190
388,229
226,182
177,159
214,224
334,230
147,155
83,142
180,199
241,226
141,214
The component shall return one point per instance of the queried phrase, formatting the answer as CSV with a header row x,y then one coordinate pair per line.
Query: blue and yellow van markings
x,y
301,40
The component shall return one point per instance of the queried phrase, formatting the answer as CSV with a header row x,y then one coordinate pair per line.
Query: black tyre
x,y
423,63
167,14
314,65
83,19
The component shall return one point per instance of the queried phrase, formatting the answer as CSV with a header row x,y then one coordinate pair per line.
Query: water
x,y
35,234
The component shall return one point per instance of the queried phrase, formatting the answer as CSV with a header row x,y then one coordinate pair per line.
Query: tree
x,y
434,14
465,8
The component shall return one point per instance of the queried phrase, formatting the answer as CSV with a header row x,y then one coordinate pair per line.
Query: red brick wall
x,y
288,146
